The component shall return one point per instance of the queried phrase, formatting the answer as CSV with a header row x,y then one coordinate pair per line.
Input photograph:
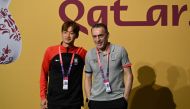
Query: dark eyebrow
x,y
68,31
98,35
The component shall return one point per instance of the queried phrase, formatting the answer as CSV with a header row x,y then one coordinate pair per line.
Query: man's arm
x,y
44,80
88,84
128,81
88,75
43,90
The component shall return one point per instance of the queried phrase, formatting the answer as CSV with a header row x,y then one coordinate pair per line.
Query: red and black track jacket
x,y
51,79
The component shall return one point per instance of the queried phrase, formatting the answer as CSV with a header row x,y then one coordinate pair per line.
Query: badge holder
x,y
65,83
107,86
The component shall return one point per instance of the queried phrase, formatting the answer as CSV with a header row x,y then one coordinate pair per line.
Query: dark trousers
x,y
120,103
63,107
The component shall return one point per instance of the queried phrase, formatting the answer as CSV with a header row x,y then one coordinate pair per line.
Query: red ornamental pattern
x,y
8,27
5,54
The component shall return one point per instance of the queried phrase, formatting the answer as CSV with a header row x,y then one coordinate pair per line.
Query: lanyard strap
x,y
100,64
61,63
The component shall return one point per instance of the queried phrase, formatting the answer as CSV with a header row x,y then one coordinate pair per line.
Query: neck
x,y
67,45
105,47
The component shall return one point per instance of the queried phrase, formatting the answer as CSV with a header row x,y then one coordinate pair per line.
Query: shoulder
x,y
50,48
82,50
51,51
118,48
91,52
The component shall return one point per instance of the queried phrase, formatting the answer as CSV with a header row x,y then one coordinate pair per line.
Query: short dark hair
x,y
98,25
73,24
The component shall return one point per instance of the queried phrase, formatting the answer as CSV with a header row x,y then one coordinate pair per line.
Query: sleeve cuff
x,y
88,72
42,98
127,65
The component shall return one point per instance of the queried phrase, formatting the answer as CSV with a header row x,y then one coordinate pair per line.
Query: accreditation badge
x,y
65,83
76,61
107,86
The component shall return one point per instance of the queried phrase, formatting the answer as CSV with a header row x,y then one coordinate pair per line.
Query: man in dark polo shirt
x,y
61,73
111,70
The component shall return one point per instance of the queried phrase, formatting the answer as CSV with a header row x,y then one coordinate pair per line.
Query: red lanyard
x,y
61,62
100,64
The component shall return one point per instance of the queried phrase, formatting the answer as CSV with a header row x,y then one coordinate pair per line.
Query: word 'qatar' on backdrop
x,y
117,8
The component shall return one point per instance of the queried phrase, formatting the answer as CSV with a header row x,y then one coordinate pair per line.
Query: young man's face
x,y
69,36
100,37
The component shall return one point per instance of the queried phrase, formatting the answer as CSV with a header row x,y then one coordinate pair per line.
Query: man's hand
x,y
126,98
44,104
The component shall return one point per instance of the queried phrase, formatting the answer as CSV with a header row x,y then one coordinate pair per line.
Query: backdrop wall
x,y
163,47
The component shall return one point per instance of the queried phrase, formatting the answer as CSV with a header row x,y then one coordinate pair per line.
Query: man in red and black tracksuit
x,y
61,73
